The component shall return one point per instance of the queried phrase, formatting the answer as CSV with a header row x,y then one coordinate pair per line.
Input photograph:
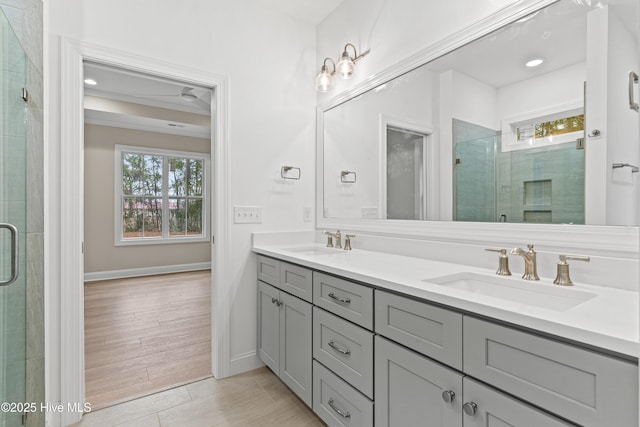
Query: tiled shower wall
x,y
25,17
543,184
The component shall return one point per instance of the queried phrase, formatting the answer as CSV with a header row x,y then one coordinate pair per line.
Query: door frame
x,y
73,53
430,165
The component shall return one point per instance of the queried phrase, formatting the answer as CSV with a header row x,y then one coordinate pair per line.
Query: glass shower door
x,y
13,346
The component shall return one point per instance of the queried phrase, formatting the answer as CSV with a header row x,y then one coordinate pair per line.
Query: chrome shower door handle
x,y
15,267
633,79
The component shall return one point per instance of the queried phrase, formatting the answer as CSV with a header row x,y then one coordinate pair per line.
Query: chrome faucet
x,y
330,236
530,268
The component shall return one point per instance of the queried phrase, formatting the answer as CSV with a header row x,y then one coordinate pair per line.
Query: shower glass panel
x,y
474,172
12,217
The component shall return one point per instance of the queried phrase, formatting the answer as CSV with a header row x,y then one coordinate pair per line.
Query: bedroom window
x,y
160,196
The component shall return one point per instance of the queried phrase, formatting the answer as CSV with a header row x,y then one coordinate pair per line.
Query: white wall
x,y
270,62
393,30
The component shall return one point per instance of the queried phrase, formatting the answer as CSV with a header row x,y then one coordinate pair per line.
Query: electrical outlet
x,y
369,212
307,214
247,214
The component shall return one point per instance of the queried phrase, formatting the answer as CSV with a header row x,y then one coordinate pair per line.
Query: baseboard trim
x,y
244,362
145,271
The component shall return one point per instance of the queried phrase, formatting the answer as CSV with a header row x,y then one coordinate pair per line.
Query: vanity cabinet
x,y
284,338
403,361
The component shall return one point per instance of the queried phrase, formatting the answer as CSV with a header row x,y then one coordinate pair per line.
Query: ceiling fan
x,y
187,95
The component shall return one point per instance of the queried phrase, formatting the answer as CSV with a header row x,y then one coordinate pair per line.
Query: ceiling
x,y
309,11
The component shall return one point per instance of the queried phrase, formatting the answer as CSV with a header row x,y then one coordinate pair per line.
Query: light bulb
x,y
344,69
324,81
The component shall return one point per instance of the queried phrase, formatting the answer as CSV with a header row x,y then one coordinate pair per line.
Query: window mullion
x,y
165,197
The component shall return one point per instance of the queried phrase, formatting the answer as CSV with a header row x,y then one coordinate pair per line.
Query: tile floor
x,y
255,398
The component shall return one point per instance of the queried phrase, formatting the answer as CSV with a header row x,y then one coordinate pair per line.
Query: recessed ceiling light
x,y
534,62
90,82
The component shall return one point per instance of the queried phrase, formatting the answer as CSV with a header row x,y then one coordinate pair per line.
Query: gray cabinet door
x,y
269,326
585,387
495,409
295,345
409,389
430,330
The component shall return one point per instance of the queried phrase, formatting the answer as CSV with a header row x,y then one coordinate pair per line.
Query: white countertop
x,y
609,320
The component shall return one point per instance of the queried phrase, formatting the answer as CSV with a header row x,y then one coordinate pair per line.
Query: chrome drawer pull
x,y
342,300
338,349
338,411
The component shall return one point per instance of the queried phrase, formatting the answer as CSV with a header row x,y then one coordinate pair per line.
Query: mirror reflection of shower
x,y
535,185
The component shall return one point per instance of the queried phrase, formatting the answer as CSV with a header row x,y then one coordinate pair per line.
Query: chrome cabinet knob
x,y
448,396
470,408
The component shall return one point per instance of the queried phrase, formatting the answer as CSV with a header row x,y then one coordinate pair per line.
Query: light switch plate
x,y
307,214
247,214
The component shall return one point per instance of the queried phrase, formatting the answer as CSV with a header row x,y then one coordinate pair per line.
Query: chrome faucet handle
x,y
562,276
347,241
503,262
329,238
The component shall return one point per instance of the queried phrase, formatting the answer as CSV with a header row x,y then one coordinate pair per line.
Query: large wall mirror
x,y
531,123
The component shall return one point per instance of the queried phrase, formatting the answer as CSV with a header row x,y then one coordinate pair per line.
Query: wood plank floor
x,y
146,334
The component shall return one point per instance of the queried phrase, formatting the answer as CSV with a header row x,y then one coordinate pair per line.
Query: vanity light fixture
x,y
344,69
534,62
347,63
324,81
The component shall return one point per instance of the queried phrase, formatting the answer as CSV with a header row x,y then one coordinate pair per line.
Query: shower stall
x,y
534,185
13,214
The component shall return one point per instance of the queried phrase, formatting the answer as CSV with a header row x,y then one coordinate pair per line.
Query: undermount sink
x,y
516,290
314,250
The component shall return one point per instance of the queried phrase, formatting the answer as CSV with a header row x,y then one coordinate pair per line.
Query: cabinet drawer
x,y
269,270
347,299
499,410
296,280
337,403
344,348
580,385
430,330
